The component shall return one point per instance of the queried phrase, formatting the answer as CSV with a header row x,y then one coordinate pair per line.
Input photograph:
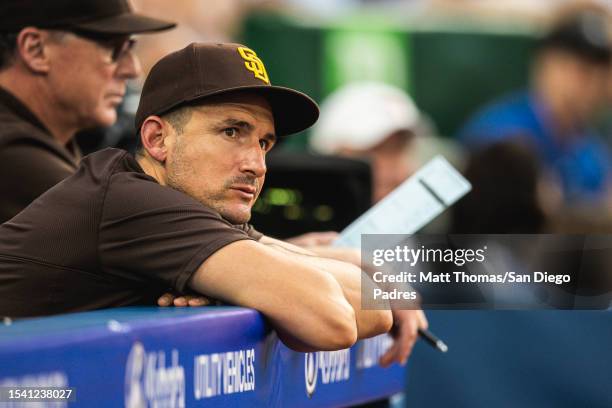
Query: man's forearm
x,y
350,255
369,322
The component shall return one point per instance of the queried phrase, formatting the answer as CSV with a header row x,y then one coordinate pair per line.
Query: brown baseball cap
x,y
104,17
202,70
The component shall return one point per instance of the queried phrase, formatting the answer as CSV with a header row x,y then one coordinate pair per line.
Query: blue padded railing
x,y
175,357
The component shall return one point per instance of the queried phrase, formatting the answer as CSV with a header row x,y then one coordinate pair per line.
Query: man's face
x,y
391,164
88,78
219,158
590,91
579,87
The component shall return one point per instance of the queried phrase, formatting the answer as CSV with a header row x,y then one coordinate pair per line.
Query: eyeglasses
x,y
118,45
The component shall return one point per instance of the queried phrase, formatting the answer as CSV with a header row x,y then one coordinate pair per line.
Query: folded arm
x,y
406,322
304,303
350,277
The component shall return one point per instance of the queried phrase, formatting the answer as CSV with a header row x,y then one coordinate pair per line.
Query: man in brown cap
x,y
122,229
63,68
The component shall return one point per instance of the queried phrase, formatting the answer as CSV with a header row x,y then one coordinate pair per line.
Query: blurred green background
x,y
449,68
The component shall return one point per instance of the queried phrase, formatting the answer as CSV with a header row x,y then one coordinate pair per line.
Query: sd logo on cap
x,y
254,64
201,70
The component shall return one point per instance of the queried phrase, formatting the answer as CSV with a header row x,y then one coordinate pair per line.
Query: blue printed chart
x,y
175,357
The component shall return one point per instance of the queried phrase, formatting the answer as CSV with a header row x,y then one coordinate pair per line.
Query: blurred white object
x,y
360,115
324,7
411,206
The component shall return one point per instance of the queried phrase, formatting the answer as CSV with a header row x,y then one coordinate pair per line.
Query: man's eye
x,y
265,144
231,132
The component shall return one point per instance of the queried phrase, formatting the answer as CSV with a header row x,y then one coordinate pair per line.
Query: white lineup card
x,y
417,201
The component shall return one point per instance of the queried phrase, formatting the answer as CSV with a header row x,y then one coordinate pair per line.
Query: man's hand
x,y
405,333
169,298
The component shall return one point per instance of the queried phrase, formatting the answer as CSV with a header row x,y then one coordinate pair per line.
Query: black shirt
x,y
31,160
109,235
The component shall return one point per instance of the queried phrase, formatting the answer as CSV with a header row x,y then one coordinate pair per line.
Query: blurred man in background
x,y
379,123
568,87
373,121
63,68
510,193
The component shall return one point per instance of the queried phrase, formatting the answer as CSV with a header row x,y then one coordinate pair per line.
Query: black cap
x,y
201,70
105,17
585,34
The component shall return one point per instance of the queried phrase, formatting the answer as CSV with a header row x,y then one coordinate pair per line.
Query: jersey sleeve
x,y
251,231
151,232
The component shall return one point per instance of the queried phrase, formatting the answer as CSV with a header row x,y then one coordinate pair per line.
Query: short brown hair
x,y
8,45
179,117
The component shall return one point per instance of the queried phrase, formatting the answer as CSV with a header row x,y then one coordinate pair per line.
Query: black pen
x,y
433,340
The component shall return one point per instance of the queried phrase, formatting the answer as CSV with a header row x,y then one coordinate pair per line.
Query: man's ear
x,y
31,50
153,134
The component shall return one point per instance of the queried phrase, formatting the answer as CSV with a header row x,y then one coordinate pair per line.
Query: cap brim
x,y
292,110
125,24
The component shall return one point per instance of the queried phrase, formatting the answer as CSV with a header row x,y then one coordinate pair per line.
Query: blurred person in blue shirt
x,y
569,85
